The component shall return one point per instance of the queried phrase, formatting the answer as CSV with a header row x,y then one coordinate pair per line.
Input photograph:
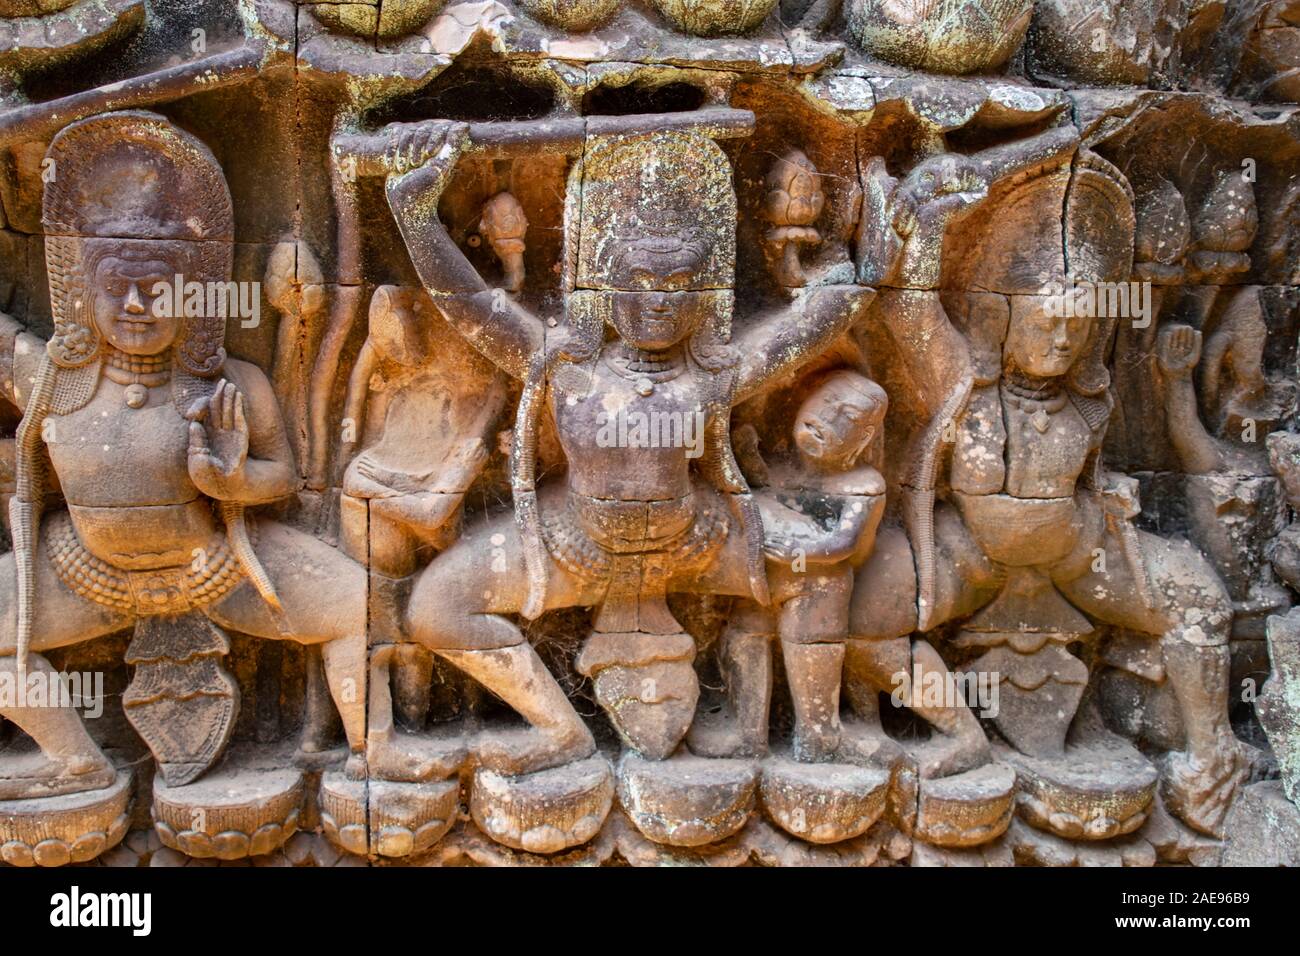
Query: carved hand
x,y
218,441
437,142
1178,350
936,190
781,548
456,472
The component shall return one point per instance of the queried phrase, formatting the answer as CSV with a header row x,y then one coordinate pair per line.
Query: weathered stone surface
x,y
1263,829
683,432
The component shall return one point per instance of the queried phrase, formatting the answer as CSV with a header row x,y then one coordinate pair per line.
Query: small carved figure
x,y
794,201
820,513
1232,501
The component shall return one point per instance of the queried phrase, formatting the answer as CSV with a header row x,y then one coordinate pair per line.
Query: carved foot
x,y
357,767
816,745
514,752
34,775
410,758
945,756
868,745
720,735
1199,787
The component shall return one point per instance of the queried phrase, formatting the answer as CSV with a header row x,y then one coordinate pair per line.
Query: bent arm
x,y
489,319
778,344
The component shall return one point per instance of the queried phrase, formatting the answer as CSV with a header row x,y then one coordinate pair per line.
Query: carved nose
x,y
134,304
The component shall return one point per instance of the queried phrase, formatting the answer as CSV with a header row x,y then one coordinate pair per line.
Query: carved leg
x,y
813,671
457,610
518,676
324,598
69,761
1192,615
412,683
745,657
958,743
813,623
748,663
320,720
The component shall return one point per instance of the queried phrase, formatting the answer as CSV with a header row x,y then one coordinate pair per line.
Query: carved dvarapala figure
x,y
651,230
157,442
1030,531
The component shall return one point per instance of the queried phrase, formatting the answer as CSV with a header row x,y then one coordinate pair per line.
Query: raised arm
x,y
900,246
1178,349
424,159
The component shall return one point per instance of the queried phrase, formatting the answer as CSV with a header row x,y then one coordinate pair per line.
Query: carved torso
x,y
1021,447
124,474
622,444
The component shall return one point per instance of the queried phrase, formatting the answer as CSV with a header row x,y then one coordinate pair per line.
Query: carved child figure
x,y
820,513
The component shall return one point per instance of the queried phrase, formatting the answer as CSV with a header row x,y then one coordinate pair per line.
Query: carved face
x,y
122,294
839,420
1041,343
660,300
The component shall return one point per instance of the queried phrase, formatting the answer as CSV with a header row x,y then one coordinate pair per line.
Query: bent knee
x,y
451,611
1189,592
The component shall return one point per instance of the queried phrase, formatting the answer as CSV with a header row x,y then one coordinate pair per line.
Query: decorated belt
x,y
633,527
579,553
165,591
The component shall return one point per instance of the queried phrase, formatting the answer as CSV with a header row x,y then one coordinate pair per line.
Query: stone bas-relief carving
x,y
553,433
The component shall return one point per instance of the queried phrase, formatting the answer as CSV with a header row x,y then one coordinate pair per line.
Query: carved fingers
x,y
436,141
1178,349
936,189
218,439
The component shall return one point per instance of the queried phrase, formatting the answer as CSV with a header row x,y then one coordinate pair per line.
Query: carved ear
x,y
879,245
